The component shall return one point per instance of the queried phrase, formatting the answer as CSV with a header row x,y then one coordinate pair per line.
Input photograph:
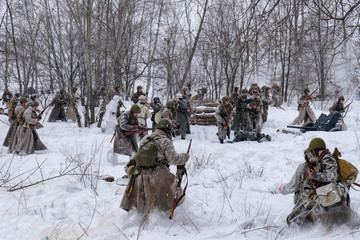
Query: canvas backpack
x,y
147,154
347,172
20,118
11,109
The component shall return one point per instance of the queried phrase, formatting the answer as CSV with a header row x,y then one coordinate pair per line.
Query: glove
x,y
116,127
135,127
180,171
223,122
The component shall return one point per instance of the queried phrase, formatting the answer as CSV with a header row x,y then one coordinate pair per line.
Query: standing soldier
x,y
319,171
28,138
152,185
234,96
19,113
135,96
253,87
265,98
71,111
143,115
156,106
181,114
59,102
338,107
6,97
127,122
305,112
223,114
276,95
13,123
255,110
241,118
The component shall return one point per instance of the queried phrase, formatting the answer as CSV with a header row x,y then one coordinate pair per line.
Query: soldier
x,y
241,117
188,115
276,95
223,114
59,102
170,114
71,111
255,110
265,98
251,136
6,97
338,107
127,122
28,139
181,114
305,112
143,115
19,113
13,122
318,173
234,96
253,87
156,106
152,185
135,96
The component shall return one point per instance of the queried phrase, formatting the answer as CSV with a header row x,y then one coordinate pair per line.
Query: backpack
x,y
146,156
158,115
347,172
11,109
20,118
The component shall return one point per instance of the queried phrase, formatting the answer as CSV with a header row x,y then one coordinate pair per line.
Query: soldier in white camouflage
x,y
319,170
223,115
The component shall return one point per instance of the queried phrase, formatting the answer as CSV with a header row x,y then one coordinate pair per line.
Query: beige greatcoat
x,y
27,138
126,144
154,187
305,111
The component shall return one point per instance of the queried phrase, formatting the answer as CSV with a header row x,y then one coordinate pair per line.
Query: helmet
x,y
164,123
34,104
178,95
341,98
139,87
225,99
317,143
135,109
204,90
23,100
74,89
156,100
306,90
189,84
170,104
244,90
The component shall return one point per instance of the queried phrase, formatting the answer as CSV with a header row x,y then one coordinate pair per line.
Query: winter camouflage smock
x,y
154,187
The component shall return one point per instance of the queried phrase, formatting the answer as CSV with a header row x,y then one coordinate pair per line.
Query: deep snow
x,y
229,194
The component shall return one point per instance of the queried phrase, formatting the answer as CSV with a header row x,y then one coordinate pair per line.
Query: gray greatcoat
x,y
27,137
58,112
182,116
126,144
154,187
241,117
11,135
305,111
307,209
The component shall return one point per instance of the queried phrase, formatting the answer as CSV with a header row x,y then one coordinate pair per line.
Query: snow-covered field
x,y
229,194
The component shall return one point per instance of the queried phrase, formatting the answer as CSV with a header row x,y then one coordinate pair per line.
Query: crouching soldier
x,y
223,115
319,194
27,137
152,185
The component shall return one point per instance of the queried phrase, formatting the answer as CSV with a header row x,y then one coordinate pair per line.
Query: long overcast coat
x,y
123,144
27,138
155,187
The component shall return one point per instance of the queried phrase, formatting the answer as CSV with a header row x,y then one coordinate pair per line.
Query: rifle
x,y
347,109
41,113
310,96
228,119
177,200
3,109
137,131
113,136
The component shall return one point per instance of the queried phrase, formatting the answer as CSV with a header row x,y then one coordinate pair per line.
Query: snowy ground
x,y
229,194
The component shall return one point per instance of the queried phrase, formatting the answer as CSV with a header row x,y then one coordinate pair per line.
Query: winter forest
x,y
165,44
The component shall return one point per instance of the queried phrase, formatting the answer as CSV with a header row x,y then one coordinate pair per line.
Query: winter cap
x,y
34,104
139,87
178,95
142,97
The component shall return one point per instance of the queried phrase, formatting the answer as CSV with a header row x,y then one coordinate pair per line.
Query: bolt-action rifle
x,y
228,119
310,96
347,109
137,131
176,199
